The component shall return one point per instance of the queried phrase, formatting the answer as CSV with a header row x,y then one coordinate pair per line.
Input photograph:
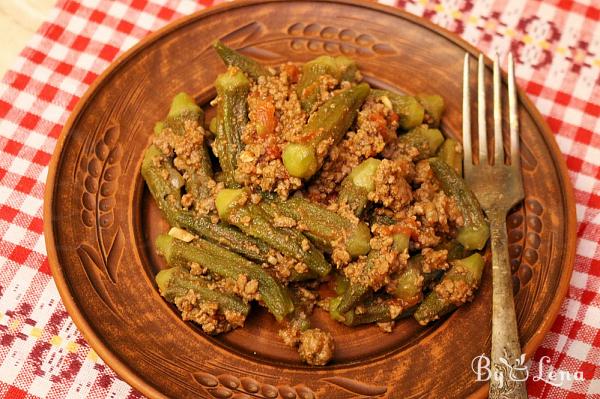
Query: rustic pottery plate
x,y
100,222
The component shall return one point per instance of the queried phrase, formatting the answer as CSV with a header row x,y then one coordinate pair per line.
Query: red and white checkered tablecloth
x,y
42,354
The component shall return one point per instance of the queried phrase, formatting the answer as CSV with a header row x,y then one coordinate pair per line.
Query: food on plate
x,y
308,178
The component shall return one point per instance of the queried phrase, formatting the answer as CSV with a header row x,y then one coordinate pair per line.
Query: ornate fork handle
x,y
508,375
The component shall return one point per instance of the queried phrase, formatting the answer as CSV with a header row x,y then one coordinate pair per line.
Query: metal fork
x,y
498,187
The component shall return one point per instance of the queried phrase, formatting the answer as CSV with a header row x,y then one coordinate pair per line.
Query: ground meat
x,y
316,347
306,298
431,215
188,152
436,216
457,290
376,125
207,315
290,335
391,188
434,260
339,253
283,221
242,286
196,269
375,271
275,118
283,266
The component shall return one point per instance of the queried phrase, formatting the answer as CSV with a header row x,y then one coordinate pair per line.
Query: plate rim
x,y
96,342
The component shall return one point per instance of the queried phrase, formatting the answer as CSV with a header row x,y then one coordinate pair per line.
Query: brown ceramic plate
x,y
100,222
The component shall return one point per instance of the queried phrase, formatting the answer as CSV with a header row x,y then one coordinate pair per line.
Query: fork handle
x,y
508,377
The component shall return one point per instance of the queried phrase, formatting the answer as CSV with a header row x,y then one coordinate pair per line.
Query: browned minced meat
x,y
435,212
242,286
290,335
457,290
207,314
316,347
387,261
391,188
375,126
396,149
306,298
188,152
339,253
434,259
284,266
275,117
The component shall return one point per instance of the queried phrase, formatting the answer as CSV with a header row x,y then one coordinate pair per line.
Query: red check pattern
x,y
42,355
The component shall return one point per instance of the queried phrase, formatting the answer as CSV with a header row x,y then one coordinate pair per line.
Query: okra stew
x,y
308,177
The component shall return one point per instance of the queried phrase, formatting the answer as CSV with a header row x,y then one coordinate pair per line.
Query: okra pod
x,y
341,283
424,139
176,282
167,194
475,231
455,250
164,181
322,226
309,86
183,104
357,292
455,288
233,58
358,184
184,109
451,153
410,283
324,128
232,116
252,220
381,312
226,236
434,108
224,263
408,108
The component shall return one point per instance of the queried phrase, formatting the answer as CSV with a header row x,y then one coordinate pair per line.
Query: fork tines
x,y
481,114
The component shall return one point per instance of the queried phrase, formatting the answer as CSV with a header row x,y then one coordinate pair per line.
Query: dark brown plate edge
x,y
96,342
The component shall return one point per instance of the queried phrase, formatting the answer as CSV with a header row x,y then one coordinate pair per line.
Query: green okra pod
x,y
233,58
408,108
357,292
381,312
434,108
464,276
176,282
451,153
252,220
232,116
358,184
183,104
321,225
309,86
184,109
224,263
409,283
324,128
475,231
163,180
166,191
424,139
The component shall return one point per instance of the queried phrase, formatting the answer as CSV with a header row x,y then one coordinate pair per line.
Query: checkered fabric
x,y
42,354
